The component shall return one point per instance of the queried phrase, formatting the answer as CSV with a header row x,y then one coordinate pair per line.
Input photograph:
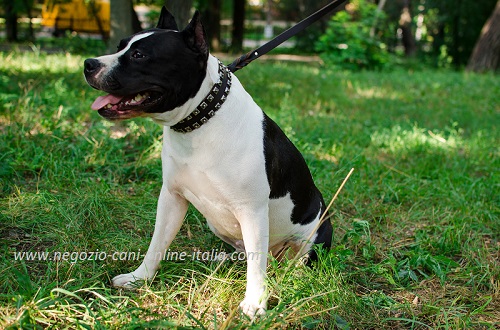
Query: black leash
x,y
244,60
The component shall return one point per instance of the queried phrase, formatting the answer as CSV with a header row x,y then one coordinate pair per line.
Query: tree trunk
x,y
380,9
405,20
211,20
268,29
28,6
238,25
10,21
121,22
181,9
455,33
486,53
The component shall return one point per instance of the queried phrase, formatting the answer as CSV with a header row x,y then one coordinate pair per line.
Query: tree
x,y
405,24
486,53
348,43
10,20
454,26
121,22
293,10
181,9
13,9
238,25
28,6
211,20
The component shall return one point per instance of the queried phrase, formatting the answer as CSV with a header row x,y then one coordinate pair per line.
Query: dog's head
x,y
153,71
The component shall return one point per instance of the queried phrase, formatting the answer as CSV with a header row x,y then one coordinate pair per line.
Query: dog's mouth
x,y
116,107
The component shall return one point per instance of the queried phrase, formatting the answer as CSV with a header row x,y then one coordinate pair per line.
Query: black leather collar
x,y
209,106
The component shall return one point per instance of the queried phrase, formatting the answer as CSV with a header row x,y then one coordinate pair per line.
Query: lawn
x,y
416,228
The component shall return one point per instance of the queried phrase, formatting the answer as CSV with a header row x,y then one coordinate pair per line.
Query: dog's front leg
x,y
255,231
169,217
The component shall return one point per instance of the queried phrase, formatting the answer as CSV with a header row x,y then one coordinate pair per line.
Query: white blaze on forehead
x,y
110,61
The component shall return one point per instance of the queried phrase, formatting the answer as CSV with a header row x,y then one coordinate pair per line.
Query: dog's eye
x,y
137,54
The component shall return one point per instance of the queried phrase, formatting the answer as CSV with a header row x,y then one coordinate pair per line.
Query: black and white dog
x,y
221,153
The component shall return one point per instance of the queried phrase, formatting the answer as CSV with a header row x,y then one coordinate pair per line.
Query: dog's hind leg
x,y
169,217
324,237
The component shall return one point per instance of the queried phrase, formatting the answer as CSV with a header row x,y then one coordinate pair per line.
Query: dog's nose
x,y
91,65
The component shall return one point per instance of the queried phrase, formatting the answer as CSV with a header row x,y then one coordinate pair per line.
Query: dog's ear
x,y
195,35
167,20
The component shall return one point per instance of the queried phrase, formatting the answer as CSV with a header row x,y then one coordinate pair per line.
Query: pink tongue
x,y
102,101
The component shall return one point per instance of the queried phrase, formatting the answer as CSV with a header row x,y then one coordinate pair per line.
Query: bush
x,y
347,42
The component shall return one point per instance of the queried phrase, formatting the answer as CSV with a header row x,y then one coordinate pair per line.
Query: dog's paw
x,y
127,281
252,309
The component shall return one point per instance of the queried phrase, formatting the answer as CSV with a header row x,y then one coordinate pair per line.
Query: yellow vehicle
x,y
77,15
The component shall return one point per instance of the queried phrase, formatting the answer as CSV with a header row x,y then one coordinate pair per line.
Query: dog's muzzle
x,y
91,66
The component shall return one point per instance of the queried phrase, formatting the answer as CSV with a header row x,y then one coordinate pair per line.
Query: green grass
x,y
417,229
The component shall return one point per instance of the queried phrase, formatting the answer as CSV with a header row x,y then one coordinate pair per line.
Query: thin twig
x,y
323,218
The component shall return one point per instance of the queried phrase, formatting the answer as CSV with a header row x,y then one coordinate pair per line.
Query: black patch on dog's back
x,y
287,172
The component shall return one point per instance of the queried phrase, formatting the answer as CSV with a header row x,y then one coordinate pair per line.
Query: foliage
x,y
296,11
71,43
11,10
453,27
447,30
348,42
416,228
